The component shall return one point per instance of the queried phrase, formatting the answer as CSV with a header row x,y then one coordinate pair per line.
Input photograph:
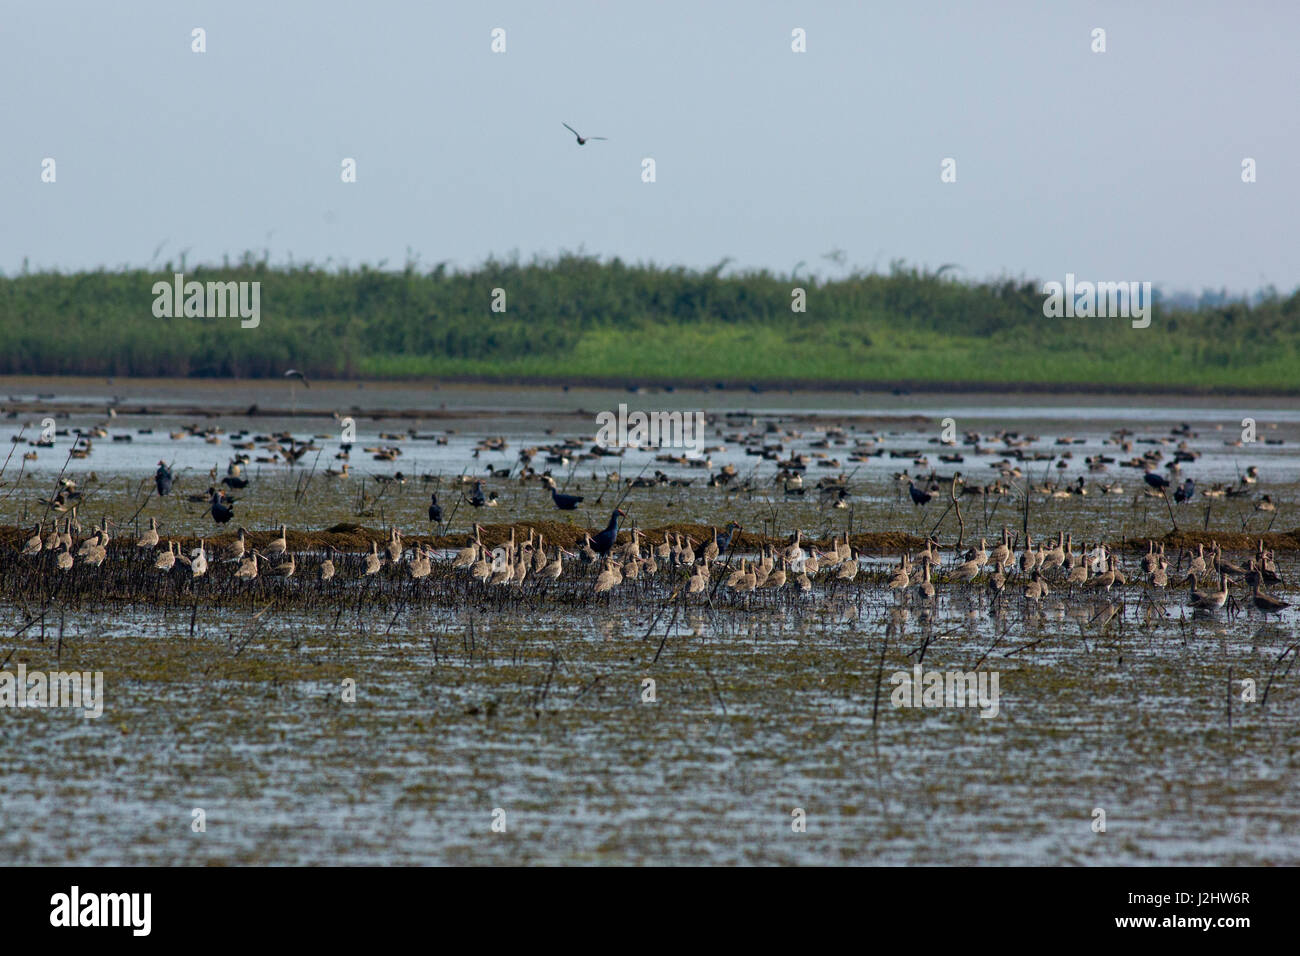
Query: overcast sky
x,y
1122,165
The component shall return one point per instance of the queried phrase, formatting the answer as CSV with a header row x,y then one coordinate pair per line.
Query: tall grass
x,y
577,317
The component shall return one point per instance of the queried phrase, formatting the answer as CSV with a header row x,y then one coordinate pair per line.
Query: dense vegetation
x,y
579,318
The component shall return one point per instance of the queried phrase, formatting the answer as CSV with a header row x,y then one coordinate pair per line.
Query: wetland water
x,y
531,700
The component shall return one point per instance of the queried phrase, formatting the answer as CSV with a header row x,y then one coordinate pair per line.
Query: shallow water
x,y
529,704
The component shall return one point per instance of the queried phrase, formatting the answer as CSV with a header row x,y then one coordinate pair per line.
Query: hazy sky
x,y
1118,165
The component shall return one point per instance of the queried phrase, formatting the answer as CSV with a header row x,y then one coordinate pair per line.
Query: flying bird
x,y
294,373
582,140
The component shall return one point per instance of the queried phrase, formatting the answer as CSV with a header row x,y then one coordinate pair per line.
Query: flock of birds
x,y
1034,569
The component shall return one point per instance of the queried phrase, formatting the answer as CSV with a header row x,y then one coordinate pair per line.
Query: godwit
x,y
419,566
149,539
278,546
1266,602
284,569
467,557
247,569
699,580
1208,600
967,571
925,588
235,550
327,567
711,550
373,561
167,560
608,578
901,579
1037,588
554,569
64,560
34,543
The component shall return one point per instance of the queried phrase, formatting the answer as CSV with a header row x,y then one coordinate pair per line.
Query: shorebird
x,y
34,543
149,539
294,373
235,550
608,578
435,509
1208,600
373,561
247,570
582,140
1266,602
280,545
419,566
167,560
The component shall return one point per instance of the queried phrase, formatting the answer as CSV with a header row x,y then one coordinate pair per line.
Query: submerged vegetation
x,y
576,317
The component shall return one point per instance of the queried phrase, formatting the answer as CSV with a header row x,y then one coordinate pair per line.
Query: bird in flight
x,y
294,373
582,140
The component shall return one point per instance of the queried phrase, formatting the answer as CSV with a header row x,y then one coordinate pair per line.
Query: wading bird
x,y
601,543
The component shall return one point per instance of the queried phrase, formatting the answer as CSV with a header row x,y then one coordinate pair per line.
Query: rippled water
x,y
764,706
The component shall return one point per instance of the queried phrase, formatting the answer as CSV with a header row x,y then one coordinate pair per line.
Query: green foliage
x,y
577,317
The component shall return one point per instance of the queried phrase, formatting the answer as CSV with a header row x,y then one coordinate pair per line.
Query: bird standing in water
x,y
601,543
221,511
562,501
435,509
476,497
162,479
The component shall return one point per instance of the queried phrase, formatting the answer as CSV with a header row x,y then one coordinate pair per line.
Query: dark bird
x,y
724,540
294,373
565,502
1157,481
602,542
582,140
435,509
919,497
234,481
562,501
476,497
221,511
1185,492
162,478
